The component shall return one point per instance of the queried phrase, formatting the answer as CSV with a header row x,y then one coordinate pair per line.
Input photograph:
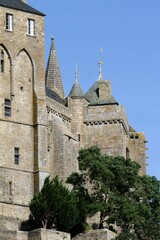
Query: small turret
x,y
76,91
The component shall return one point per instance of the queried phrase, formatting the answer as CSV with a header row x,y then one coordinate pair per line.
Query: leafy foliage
x,y
55,206
112,186
105,184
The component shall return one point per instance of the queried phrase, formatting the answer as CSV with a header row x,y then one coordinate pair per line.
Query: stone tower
x,y
98,119
23,151
62,142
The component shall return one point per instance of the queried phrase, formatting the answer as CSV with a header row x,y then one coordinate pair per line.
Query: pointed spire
x,y
76,74
76,91
100,65
52,75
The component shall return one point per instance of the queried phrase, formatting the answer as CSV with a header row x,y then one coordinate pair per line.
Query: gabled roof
x,y
92,96
19,5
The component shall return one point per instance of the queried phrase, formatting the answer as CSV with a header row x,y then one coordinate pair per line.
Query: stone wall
x,y
109,137
22,83
138,149
103,234
43,234
12,215
63,149
38,234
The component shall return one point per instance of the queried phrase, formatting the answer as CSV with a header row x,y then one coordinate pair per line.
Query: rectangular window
x,y
9,22
16,156
7,107
31,27
79,137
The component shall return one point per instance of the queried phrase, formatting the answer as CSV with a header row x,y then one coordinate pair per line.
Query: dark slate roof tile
x,y
51,94
92,96
19,5
76,91
52,75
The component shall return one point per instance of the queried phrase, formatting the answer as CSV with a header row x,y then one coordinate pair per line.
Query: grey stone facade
x,y
41,131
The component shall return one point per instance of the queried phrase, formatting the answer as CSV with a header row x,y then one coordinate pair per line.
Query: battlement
x,y
106,114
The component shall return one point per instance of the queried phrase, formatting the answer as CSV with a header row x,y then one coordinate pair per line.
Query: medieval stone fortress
x,y
41,130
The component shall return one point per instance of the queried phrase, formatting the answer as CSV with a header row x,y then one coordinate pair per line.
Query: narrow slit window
x,y
127,153
9,22
79,137
7,108
16,156
2,61
31,27
10,188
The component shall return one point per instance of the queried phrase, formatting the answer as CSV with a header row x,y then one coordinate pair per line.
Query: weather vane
x,y
100,64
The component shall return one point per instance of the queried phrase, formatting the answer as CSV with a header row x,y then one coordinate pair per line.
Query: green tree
x,y
111,185
55,206
146,200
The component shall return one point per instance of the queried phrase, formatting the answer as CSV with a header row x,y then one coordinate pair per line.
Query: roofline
x,y
37,13
101,104
75,97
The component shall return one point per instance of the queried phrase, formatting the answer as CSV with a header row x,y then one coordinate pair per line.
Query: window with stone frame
x,y
16,156
9,22
31,27
7,108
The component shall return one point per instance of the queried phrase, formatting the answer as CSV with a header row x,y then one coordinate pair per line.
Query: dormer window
x,y
31,27
9,22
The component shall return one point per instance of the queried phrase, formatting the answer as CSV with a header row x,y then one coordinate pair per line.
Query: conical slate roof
x,y
19,5
76,91
92,95
52,75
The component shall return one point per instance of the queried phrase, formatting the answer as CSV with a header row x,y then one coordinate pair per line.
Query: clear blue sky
x,y
129,34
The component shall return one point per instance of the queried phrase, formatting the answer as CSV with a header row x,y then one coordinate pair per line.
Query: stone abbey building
x,y
41,130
